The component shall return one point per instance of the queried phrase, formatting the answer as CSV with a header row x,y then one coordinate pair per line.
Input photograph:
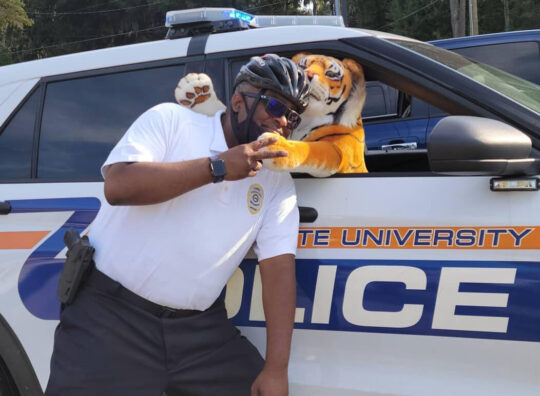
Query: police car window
x,y
215,70
84,118
390,118
521,59
235,67
375,105
16,142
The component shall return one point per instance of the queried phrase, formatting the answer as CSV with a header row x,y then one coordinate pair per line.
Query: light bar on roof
x,y
206,14
291,20
243,16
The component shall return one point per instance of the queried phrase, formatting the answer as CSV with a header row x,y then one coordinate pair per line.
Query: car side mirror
x,y
464,145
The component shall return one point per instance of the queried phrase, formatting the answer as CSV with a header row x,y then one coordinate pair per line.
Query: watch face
x,y
219,167
218,170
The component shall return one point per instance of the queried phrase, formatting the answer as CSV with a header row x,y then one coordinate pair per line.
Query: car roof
x,y
170,49
92,60
486,39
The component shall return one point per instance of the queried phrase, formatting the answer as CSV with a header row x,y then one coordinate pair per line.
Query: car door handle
x,y
5,208
307,215
399,146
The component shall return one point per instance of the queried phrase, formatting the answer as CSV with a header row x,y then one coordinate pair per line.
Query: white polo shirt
x,y
180,253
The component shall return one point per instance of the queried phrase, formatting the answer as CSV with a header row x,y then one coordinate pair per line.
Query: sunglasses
x,y
277,109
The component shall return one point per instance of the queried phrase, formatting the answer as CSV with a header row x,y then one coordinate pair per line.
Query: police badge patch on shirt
x,y
255,197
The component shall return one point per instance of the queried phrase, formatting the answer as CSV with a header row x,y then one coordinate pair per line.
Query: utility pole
x,y
344,12
458,17
473,17
337,7
506,16
340,8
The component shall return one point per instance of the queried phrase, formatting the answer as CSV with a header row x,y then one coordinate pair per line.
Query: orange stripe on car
x,y
467,237
21,239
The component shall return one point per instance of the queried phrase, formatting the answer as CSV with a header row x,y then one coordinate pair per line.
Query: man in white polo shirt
x,y
187,198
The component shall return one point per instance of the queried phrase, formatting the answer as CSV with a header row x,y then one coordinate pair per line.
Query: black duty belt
x,y
102,282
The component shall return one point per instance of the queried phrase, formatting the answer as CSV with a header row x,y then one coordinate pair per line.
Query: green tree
x,y
67,26
523,14
368,14
420,19
12,14
322,7
505,15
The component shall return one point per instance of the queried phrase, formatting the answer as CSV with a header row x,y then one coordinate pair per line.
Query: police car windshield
x,y
522,91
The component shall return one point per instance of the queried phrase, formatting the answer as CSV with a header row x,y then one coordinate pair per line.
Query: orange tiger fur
x,y
330,138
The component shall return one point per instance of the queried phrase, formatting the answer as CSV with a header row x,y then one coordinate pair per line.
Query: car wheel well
x,y
7,385
16,372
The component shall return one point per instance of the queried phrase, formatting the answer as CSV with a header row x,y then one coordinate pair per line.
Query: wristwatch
x,y
217,168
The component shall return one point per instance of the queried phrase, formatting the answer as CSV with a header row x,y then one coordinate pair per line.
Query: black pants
x,y
105,345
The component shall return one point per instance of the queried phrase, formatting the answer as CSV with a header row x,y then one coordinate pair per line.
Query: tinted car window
x,y
16,141
235,66
83,118
375,102
521,59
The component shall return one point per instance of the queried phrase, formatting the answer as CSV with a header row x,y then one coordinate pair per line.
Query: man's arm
x,y
279,302
144,183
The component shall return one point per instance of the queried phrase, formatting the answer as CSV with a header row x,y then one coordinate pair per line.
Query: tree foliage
x,y
429,20
12,14
66,26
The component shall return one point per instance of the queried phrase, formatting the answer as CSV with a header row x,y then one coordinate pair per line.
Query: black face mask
x,y
246,131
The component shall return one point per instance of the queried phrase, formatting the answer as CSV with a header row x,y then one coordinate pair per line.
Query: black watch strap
x,y
217,169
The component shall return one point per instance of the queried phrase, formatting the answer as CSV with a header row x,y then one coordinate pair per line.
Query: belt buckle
x,y
168,312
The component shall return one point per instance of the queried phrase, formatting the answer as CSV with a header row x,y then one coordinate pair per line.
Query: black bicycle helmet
x,y
278,74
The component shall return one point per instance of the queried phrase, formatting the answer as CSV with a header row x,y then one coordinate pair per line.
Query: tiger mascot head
x,y
330,137
337,93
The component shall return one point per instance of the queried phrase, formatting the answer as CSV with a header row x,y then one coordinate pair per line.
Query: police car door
x,y
418,285
409,283
52,182
412,283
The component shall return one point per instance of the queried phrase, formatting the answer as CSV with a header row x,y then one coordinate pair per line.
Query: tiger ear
x,y
299,56
352,113
355,68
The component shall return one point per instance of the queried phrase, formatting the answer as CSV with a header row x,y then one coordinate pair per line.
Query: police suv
x,y
421,277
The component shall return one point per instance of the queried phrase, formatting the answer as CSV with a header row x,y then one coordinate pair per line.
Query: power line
x,y
93,6
112,35
411,14
38,13
91,39
266,5
78,12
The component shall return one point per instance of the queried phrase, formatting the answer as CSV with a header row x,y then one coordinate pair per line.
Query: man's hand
x,y
246,159
271,382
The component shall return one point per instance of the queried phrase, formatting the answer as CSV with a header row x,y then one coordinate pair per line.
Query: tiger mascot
x,y
330,136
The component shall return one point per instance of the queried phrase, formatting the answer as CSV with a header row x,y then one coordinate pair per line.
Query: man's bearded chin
x,y
246,131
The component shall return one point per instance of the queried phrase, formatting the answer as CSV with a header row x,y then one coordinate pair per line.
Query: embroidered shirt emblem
x,y
255,198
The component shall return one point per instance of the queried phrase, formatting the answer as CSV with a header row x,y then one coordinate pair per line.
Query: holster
x,y
77,266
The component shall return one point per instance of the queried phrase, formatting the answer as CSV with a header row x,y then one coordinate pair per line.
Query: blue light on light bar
x,y
243,16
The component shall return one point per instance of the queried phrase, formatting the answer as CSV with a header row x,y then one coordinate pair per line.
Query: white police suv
x,y
421,277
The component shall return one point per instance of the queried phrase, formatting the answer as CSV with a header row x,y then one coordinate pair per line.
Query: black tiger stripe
x,y
331,99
